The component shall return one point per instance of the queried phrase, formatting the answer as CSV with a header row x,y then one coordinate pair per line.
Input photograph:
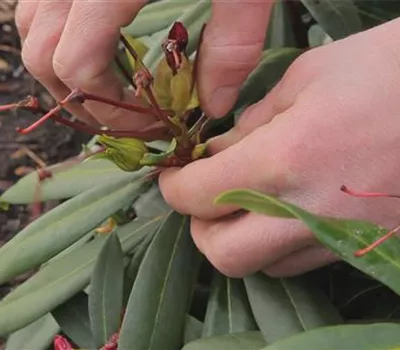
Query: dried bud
x,y
174,47
60,343
126,153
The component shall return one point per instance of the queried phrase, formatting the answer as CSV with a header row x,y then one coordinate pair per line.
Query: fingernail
x,y
222,100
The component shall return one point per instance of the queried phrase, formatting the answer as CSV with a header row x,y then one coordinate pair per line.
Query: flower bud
x,y
60,343
174,91
126,153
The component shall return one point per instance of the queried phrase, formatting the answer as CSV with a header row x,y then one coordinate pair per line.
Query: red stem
x,y
379,241
367,194
148,135
123,105
39,122
8,107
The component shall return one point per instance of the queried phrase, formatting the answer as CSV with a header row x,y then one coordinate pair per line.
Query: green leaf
x,y
164,282
375,12
151,203
238,341
193,329
193,19
339,18
283,307
62,226
59,281
38,335
343,237
228,309
132,269
280,29
65,182
73,318
105,296
262,79
371,337
149,21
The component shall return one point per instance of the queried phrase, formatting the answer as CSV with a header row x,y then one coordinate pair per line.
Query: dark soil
x,y
51,142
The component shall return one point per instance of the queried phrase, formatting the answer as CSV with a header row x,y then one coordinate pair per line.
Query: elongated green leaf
x,y
371,337
375,12
280,28
65,182
193,329
106,285
64,225
283,307
238,341
132,269
59,281
38,335
263,78
342,237
228,309
149,21
164,282
193,19
339,18
73,318
151,203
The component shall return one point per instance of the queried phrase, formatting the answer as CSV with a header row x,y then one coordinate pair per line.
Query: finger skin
x,y
241,245
38,49
193,189
24,14
84,55
230,51
301,262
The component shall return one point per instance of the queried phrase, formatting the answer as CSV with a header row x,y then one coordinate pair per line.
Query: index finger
x,y
83,58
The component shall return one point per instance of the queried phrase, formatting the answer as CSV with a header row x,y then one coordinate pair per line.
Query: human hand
x,y
71,43
332,120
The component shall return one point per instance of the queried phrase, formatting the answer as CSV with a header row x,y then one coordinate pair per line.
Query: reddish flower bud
x,y
174,47
179,34
60,343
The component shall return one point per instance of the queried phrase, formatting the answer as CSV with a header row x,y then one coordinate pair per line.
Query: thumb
x,y
232,46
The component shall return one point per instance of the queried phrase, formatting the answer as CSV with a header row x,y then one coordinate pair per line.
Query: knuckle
x,y
290,157
33,61
224,258
63,68
303,67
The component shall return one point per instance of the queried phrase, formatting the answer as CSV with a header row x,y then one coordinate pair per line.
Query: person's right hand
x,y
70,44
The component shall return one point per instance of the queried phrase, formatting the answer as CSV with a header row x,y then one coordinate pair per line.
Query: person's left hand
x,y
332,120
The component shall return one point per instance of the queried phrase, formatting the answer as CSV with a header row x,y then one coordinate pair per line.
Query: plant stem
x,y
128,106
367,194
379,241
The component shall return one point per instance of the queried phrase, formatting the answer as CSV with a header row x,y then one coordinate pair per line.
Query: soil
x,y
51,142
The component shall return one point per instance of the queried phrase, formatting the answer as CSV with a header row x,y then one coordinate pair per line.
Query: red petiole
x,y
382,239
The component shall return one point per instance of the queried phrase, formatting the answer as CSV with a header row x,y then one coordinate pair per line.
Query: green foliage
x,y
142,279
343,237
106,286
